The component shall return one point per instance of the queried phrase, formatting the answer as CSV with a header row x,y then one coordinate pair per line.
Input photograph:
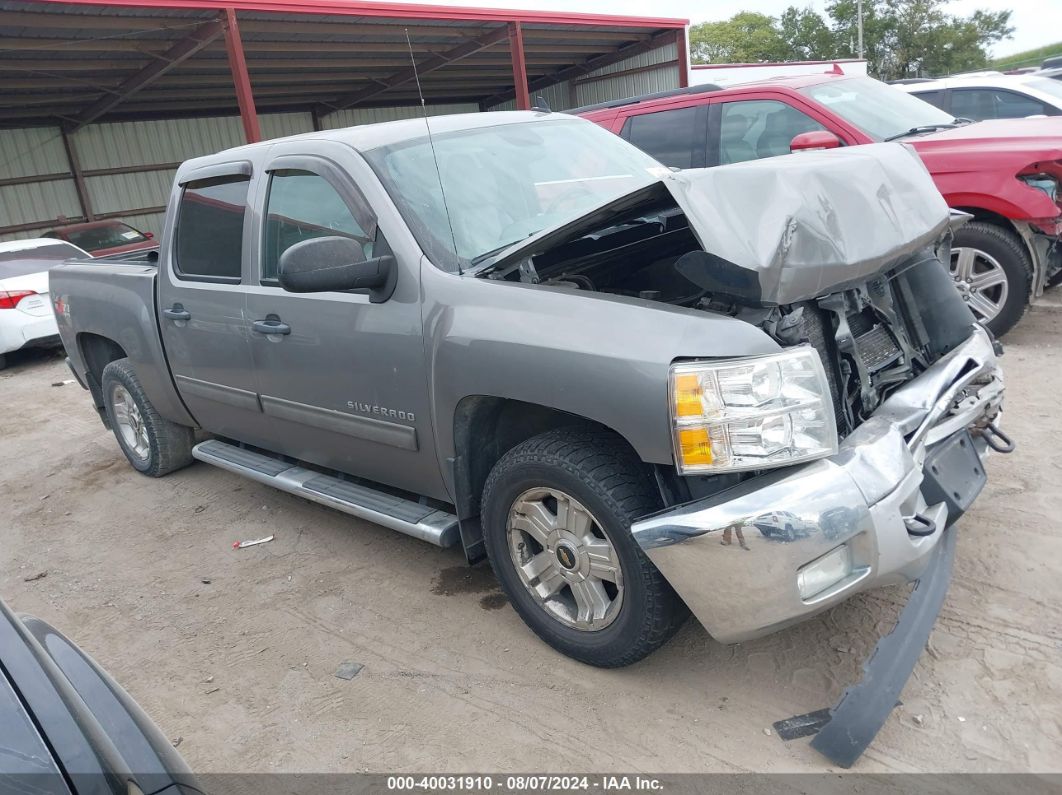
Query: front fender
x,y
601,357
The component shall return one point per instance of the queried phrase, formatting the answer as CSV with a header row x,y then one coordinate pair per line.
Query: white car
x,y
989,95
26,317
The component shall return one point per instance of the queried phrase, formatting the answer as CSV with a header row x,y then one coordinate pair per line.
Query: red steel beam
x,y
400,11
587,66
409,75
682,52
241,79
175,55
516,50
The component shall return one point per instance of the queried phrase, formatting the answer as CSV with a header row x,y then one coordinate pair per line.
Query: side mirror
x,y
817,139
329,264
149,235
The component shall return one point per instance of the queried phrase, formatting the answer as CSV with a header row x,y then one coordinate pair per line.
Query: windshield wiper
x,y
924,128
488,254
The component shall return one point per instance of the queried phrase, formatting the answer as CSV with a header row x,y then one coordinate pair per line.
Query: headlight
x,y
753,413
1042,182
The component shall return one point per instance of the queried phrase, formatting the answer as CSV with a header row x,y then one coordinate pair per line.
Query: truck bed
x,y
114,300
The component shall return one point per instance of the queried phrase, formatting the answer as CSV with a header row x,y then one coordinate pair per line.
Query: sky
x,y
1035,22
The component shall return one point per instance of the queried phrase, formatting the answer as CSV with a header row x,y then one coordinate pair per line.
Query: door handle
x,y
177,312
271,326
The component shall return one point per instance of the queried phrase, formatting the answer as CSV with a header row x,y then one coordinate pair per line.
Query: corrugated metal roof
x,y
58,58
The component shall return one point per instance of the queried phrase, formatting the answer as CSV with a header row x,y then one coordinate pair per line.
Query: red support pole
x,y
240,78
516,50
683,54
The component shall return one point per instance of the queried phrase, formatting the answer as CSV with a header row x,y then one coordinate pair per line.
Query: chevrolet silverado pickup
x,y
1005,173
523,335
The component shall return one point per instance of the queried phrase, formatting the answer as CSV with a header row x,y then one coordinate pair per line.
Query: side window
x,y
668,135
935,98
1011,105
759,128
987,103
302,205
209,240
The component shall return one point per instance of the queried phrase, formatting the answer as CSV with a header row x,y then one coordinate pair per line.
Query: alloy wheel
x,y
130,422
565,559
981,281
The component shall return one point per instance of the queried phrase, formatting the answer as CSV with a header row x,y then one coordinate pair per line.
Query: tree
x,y
746,37
806,35
907,38
901,38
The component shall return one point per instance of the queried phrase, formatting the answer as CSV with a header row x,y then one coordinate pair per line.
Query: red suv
x,y
1006,173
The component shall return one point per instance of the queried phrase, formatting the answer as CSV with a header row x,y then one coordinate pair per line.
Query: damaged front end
x,y
842,252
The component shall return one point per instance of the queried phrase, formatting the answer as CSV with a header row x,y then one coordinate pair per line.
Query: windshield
x,y
94,238
1050,87
879,110
505,183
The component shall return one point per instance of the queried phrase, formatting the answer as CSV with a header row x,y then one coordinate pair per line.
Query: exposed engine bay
x,y
872,336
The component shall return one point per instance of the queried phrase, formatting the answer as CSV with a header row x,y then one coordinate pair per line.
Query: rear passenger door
x,y
201,299
677,137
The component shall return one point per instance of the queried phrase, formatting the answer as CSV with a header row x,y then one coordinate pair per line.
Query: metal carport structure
x,y
90,86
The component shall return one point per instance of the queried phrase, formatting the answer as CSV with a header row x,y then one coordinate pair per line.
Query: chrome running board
x,y
406,516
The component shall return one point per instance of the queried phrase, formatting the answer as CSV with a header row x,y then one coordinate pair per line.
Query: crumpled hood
x,y
814,222
790,228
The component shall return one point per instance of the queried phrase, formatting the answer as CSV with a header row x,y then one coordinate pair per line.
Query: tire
x,y
994,249
3,361
153,445
597,478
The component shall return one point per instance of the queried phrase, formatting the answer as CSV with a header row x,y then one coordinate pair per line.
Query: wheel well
x,y
987,216
485,429
97,352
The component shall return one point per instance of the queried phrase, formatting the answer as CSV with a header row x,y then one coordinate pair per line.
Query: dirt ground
x,y
235,651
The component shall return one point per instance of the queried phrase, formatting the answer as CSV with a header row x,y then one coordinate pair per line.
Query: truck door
x,y
201,300
341,380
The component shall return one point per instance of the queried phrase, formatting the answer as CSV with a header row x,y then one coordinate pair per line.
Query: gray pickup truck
x,y
522,335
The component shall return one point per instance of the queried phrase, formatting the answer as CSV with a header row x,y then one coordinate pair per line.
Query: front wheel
x,y
992,273
154,445
557,512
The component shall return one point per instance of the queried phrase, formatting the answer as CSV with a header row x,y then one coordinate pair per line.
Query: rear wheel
x,y
557,512
992,272
154,445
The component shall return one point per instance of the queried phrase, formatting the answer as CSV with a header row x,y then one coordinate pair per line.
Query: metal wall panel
x,y
141,143
664,78
39,150
120,192
281,125
352,117
38,201
31,151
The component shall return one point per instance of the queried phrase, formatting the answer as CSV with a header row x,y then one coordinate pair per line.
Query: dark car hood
x,y
788,228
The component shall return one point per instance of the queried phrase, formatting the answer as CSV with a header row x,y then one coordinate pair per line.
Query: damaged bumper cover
x,y
783,546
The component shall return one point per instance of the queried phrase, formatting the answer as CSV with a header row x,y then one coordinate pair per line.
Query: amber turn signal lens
x,y
688,395
694,446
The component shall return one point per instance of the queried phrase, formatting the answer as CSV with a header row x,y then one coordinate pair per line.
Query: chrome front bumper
x,y
741,581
